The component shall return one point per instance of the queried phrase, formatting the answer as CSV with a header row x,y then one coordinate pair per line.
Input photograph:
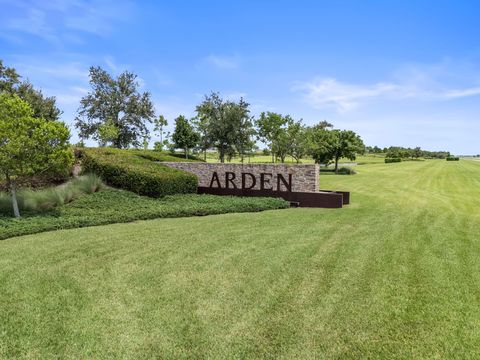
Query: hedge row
x,y
133,170
453,158
392,160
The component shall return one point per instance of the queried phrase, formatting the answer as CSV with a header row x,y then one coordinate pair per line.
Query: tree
x,y
417,152
297,140
227,124
107,133
285,135
116,101
319,144
270,126
202,124
281,146
327,146
146,141
42,106
344,144
184,136
324,124
159,124
29,145
245,131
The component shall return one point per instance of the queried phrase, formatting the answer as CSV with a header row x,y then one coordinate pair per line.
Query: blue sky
x,y
397,72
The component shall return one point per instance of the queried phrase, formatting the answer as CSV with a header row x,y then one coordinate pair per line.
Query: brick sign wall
x,y
285,178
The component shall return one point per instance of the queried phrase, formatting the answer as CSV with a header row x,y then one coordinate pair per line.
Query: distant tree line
x,y
406,153
228,127
115,113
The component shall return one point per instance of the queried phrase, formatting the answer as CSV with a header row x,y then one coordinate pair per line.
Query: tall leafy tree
x,y
184,137
345,144
297,142
202,125
228,124
319,144
115,101
42,106
244,125
270,131
159,126
29,145
281,146
328,146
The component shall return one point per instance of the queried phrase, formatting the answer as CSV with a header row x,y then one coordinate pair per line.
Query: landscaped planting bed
x,y
118,206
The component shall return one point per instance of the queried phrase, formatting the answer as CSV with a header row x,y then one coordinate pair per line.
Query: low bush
x,y
346,171
138,171
49,198
392,160
117,206
453,158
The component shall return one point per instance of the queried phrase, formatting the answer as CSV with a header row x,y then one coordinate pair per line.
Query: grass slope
x,y
394,275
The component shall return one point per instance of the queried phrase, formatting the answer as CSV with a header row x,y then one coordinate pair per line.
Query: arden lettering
x,y
215,178
267,181
288,185
252,178
229,177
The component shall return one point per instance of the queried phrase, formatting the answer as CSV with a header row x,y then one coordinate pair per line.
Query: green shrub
x,y
346,171
453,158
392,160
138,171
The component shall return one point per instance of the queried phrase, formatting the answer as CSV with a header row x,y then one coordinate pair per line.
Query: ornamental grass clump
x,y
47,199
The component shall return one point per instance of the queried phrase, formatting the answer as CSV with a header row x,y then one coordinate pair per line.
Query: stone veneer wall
x,y
305,178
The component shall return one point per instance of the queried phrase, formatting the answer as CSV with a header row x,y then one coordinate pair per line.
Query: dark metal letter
x,y
288,185
229,177
254,181
264,181
215,178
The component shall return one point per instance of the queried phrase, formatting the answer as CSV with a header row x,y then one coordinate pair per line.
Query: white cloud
x,y
452,94
52,72
63,21
70,96
223,61
97,17
433,83
329,92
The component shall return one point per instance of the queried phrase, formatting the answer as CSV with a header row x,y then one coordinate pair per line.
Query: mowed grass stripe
x,y
394,275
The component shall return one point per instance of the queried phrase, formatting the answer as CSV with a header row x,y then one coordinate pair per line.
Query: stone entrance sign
x,y
290,178
298,184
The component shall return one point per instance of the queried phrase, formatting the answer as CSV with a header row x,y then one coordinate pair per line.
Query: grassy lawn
x,y
260,159
395,275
